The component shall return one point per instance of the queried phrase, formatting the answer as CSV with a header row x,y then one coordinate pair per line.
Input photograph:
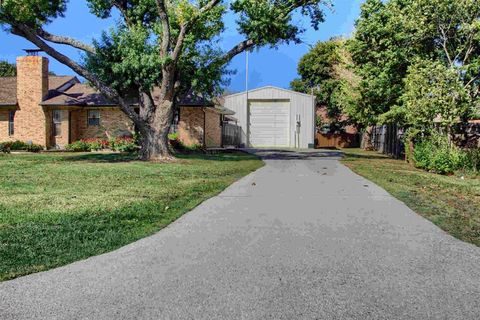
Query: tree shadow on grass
x,y
103,157
219,155
372,156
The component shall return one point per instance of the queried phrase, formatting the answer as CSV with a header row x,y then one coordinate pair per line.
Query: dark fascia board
x,y
196,105
8,106
82,106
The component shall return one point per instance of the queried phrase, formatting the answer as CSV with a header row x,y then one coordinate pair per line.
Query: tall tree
x,y
452,30
434,95
326,71
381,50
160,48
399,37
7,69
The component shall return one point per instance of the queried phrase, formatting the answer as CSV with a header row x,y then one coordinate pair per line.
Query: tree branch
x,y
64,40
236,50
29,34
179,45
162,13
444,45
186,27
147,105
208,6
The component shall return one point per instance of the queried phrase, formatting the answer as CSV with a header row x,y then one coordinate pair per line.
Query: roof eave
x,y
8,106
269,87
79,105
196,105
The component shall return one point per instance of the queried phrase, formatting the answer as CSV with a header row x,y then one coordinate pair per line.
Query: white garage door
x,y
269,124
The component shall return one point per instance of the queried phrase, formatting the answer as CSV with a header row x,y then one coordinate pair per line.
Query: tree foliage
x,y
7,69
434,94
418,60
326,71
381,51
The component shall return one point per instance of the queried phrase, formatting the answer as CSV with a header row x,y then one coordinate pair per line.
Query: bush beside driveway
x,y
59,208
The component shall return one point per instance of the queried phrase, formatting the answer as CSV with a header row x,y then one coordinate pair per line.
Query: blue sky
x,y
267,66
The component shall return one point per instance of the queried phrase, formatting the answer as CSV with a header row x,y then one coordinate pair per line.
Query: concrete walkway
x,y
302,238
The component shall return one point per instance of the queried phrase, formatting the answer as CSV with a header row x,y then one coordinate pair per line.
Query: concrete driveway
x,y
301,238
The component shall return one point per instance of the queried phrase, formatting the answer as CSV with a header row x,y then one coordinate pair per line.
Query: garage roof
x,y
271,87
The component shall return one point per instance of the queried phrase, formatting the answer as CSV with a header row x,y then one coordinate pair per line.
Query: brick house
x,y
54,111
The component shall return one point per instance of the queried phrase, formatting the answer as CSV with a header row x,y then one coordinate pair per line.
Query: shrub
x,y
34,148
422,154
471,160
436,154
180,146
78,146
4,147
124,144
193,147
95,144
8,146
445,161
18,145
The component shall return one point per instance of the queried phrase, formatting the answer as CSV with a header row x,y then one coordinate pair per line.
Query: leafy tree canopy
x,y
7,69
391,38
326,71
434,94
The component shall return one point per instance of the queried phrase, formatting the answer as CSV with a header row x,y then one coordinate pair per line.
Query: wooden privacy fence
x,y
388,139
231,135
334,140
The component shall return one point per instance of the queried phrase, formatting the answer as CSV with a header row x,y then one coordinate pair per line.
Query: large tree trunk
x,y
368,139
154,134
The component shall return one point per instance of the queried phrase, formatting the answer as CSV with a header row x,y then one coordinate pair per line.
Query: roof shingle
x,y
80,94
8,91
8,87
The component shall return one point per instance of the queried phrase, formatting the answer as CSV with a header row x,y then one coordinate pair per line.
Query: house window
x,y
93,118
11,123
57,122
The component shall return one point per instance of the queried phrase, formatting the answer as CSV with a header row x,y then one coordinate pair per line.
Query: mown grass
x,y
59,208
451,202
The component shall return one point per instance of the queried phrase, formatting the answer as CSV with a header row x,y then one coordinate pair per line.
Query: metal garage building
x,y
274,117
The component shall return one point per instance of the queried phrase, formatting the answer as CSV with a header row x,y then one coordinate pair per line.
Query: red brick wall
x,y
213,129
113,123
30,118
63,139
4,125
190,126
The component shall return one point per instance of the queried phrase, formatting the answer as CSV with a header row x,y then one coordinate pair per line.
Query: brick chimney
x,y
32,87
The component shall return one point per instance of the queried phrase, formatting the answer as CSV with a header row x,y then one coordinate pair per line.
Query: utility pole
x,y
246,98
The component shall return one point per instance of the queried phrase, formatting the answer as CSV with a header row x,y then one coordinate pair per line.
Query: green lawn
x,y
59,208
450,202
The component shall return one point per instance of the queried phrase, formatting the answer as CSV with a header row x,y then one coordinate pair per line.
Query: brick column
x,y
32,86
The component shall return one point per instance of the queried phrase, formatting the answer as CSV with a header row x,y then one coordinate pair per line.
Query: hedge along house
x,y
54,111
274,117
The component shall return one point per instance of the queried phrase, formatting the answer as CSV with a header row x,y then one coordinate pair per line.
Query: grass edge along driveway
x,y
450,202
59,208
